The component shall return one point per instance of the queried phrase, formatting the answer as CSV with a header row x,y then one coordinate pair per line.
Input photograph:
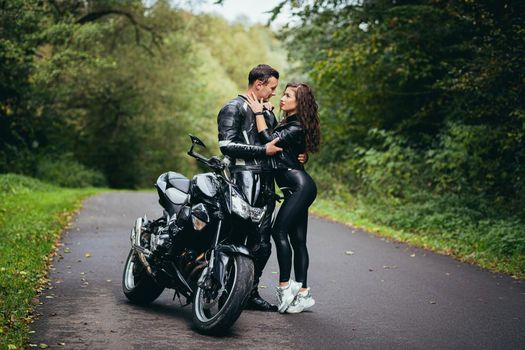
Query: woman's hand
x,y
254,103
303,158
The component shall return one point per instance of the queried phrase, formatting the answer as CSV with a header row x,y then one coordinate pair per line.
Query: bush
x,y
67,172
14,183
390,167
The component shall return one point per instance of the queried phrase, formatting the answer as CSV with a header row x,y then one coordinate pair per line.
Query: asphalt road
x,y
370,294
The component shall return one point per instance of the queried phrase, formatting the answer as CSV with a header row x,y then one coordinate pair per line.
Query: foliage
x,y
65,171
117,84
32,214
422,112
445,77
13,184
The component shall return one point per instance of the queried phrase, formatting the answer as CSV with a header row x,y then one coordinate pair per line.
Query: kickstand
x,y
177,294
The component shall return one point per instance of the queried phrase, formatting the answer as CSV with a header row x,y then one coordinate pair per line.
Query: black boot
x,y
255,302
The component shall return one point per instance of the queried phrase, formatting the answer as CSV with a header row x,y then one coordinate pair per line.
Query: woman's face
x,y
288,102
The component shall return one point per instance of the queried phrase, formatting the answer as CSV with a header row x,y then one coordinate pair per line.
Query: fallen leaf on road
x,y
412,255
386,267
61,343
263,287
349,252
274,272
432,301
43,346
108,280
67,250
87,255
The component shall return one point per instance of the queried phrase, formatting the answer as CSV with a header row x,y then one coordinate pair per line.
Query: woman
x,y
298,133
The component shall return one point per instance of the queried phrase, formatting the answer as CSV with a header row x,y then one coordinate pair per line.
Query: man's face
x,y
266,90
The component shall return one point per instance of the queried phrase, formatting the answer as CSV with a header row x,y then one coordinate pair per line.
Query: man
x,y
251,165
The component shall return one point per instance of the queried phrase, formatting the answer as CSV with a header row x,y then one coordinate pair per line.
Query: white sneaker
x,y
286,295
301,303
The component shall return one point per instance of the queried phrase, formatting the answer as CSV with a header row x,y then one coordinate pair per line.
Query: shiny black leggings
x,y
291,223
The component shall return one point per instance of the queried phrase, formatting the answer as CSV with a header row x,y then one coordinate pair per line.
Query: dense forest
x,y
431,92
105,92
422,102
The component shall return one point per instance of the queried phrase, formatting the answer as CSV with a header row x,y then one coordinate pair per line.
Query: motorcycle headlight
x,y
244,210
199,216
239,206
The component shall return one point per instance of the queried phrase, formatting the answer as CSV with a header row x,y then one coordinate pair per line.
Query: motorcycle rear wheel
x,y
230,303
137,285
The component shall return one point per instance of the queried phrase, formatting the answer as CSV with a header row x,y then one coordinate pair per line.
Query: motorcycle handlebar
x,y
213,162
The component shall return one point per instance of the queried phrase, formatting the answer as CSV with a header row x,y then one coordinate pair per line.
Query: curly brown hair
x,y
308,115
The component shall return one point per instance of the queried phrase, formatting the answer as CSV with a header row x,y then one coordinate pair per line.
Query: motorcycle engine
x,y
161,241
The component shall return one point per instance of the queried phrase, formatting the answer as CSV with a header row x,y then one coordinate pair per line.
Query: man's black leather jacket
x,y
239,139
291,139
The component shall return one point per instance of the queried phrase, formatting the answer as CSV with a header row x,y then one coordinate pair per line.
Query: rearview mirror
x,y
196,141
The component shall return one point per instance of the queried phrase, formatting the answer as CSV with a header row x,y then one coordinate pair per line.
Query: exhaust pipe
x,y
141,252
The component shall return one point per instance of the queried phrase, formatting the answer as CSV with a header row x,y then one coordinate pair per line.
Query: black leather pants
x,y
292,222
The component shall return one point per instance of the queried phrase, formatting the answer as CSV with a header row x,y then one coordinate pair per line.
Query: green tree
x,y
443,77
116,86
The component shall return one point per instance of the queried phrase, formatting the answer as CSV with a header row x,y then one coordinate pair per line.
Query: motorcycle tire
x,y
239,284
137,285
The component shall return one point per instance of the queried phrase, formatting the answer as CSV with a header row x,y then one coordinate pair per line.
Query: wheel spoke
x,y
208,309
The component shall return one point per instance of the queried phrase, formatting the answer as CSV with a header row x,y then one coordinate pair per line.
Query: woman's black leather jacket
x,y
292,140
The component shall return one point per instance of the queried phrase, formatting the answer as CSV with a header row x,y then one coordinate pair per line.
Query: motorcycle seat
x,y
172,179
173,190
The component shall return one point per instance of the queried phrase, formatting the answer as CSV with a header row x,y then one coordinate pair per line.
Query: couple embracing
x,y
262,151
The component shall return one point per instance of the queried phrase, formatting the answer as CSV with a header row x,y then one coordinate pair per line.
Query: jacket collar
x,y
290,118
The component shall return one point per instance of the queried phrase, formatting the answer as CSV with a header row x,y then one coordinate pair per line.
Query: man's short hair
x,y
262,72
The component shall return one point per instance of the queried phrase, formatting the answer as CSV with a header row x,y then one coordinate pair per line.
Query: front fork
x,y
219,258
208,277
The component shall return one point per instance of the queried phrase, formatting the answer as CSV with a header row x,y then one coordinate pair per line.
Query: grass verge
x,y
494,244
32,215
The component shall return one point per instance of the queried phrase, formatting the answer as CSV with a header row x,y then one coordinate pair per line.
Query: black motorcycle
x,y
197,246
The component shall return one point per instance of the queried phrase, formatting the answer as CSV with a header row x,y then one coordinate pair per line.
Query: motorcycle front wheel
x,y
137,285
216,311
